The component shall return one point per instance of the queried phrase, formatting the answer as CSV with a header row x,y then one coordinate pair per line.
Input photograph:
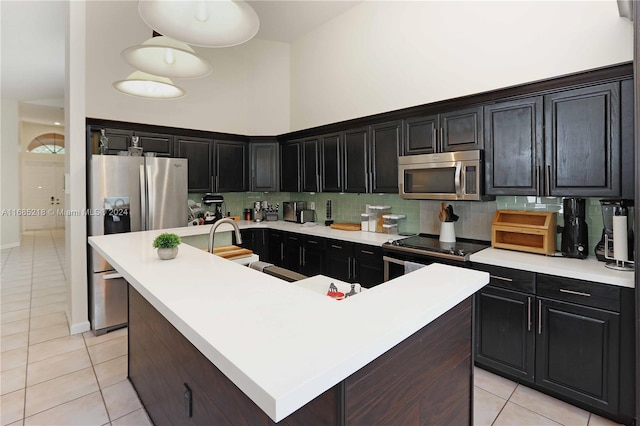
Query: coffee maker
x,y
258,211
574,231
616,244
213,208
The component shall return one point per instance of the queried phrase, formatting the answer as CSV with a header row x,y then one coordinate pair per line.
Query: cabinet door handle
x,y
336,247
300,256
354,268
217,183
281,252
441,139
539,316
366,252
366,182
501,278
577,293
548,180
435,139
349,268
537,181
528,313
213,185
312,242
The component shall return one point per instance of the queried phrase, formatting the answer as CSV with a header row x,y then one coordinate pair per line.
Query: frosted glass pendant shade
x,y
146,85
166,57
213,23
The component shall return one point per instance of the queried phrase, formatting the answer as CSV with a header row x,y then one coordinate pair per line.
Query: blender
x,y
574,232
616,244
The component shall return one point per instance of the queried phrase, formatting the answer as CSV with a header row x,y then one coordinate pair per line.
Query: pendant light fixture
x,y
164,56
147,85
212,23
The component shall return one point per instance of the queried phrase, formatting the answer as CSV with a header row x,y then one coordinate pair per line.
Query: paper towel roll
x,y
620,244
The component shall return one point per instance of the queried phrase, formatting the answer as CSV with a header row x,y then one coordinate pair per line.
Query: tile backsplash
x,y
422,216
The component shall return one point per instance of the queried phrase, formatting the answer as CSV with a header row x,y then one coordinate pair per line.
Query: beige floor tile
x,y
595,420
137,418
112,371
121,399
60,390
15,341
49,291
515,415
12,407
55,347
46,300
15,327
549,407
37,311
15,306
48,320
15,315
486,407
91,339
57,366
16,297
495,384
84,411
13,379
108,350
8,291
13,359
48,333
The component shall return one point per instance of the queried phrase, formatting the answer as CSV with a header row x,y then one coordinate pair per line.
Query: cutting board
x,y
346,226
232,252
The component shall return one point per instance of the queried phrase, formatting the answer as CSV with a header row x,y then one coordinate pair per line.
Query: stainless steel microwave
x,y
442,176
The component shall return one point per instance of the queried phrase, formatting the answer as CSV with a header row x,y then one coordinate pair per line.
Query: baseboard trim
x,y
10,245
80,327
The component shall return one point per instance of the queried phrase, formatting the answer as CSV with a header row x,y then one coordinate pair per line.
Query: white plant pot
x,y
167,253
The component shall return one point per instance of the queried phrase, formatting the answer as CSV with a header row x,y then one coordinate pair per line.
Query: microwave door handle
x,y
458,179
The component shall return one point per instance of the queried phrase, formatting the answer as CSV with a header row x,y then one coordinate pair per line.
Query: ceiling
x,y
33,46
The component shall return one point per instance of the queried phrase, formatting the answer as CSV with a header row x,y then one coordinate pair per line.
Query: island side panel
x,y
426,379
162,360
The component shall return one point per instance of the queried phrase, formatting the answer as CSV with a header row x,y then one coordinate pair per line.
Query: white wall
x,y
247,93
386,55
9,174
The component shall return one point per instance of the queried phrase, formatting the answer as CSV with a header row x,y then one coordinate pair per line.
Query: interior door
x,y
42,195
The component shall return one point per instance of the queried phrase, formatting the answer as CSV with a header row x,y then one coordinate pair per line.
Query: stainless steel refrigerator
x,y
133,194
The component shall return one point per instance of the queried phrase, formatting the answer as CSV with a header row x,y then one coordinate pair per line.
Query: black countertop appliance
x,y
574,232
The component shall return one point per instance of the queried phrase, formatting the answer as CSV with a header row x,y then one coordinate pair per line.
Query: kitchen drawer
x,y
585,293
315,242
511,279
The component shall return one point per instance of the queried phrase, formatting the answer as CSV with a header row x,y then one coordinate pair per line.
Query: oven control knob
x,y
452,251
461,252
392,242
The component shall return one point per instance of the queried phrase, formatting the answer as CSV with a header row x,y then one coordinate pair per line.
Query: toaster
x,y
306,215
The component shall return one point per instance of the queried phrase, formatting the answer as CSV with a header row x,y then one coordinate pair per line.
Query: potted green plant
x,y
167,245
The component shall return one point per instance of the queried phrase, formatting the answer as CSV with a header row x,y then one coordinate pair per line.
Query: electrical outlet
x,y
312,205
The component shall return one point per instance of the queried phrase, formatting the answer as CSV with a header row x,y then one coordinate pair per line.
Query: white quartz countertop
x,y
589,269
281,344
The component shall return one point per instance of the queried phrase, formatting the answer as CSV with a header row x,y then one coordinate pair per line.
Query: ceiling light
x,y
147,85
167,57
214,23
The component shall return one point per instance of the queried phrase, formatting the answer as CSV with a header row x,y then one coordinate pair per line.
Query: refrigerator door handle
x,y
149,199
143,199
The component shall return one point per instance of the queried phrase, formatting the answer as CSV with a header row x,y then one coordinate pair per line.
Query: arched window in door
x,y
48,143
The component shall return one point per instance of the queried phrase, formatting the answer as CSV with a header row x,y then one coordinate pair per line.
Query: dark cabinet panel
x,y
505,340
161,144
331,164
231,166
119,140
264,166
290,167
420,134
356,148
514,148
385,140
577,353
310,170
339,262
582,141
368,268
198,152
462,129
293,251
313,258
276,248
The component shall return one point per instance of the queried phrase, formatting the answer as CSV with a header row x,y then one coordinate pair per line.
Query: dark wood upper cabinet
x,y
582,141
420,134
290,167
385,142
231,166
199,153
161,144
356,154
461,130
331,163
514,148
310,169
264,166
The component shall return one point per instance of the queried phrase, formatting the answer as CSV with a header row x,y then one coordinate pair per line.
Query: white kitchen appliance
x,y
128,194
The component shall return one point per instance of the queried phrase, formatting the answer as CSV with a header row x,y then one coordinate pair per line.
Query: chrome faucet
x,y
218,223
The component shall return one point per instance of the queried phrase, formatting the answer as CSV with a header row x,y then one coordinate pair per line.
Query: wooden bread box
x,y
529,231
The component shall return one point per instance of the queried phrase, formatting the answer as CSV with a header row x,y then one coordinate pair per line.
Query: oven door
x,y
396,264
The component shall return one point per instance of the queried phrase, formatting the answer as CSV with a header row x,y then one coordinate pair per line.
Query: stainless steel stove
x,y
426,249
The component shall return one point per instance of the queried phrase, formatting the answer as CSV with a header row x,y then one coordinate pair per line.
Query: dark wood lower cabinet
x,y
424,380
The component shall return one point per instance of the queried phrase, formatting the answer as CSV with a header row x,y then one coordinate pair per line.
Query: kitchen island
x,y
211,341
